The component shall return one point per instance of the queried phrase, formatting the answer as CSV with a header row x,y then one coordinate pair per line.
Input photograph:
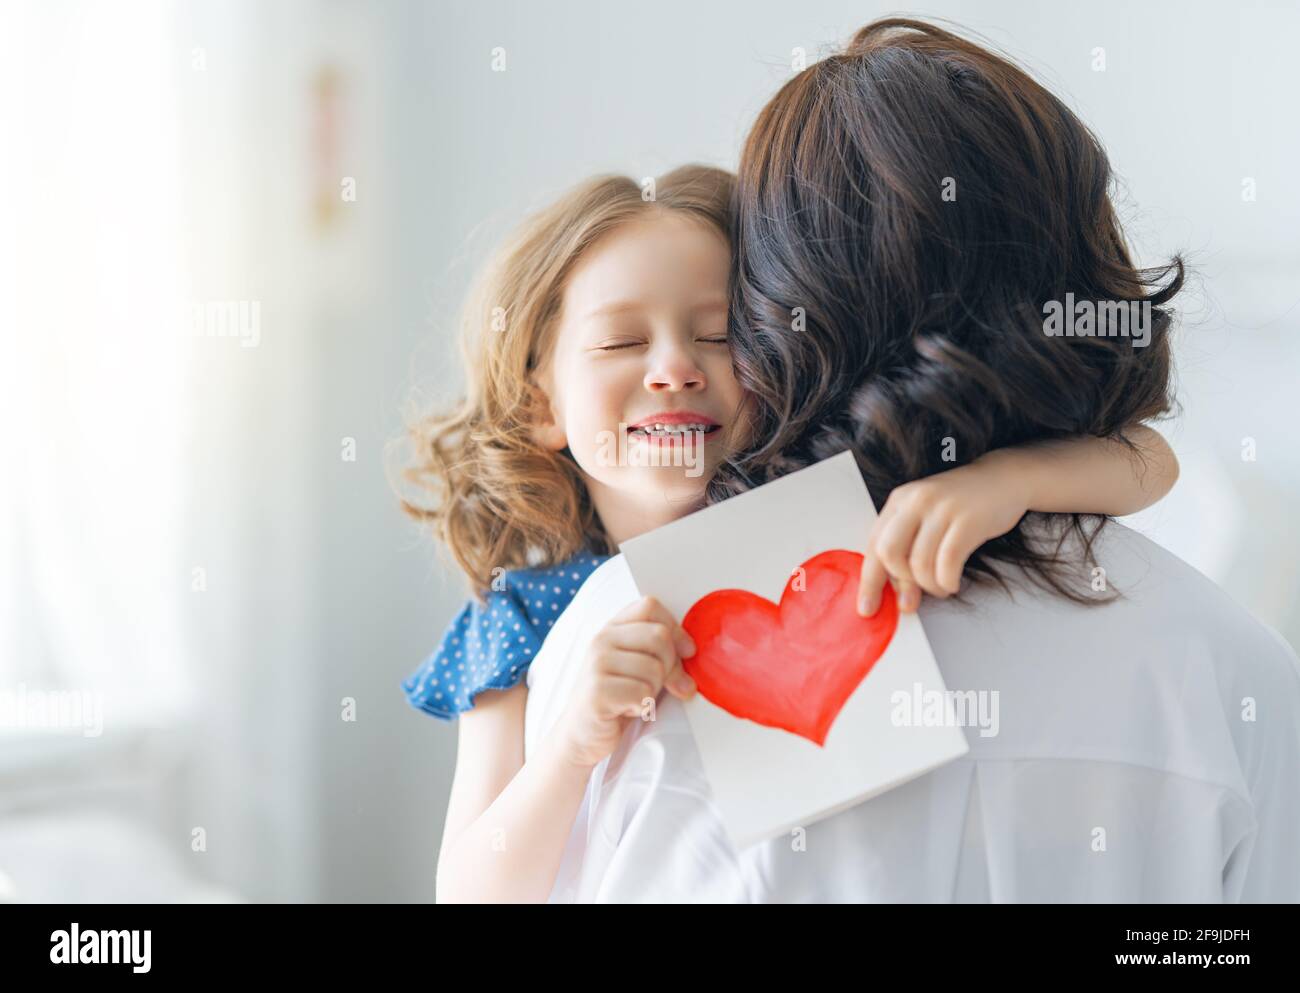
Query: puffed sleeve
x,y
488,646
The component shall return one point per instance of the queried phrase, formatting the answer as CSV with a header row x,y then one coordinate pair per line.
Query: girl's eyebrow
x,y
625,306
617,307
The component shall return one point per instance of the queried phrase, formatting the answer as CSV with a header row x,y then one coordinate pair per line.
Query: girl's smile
x,y
675,428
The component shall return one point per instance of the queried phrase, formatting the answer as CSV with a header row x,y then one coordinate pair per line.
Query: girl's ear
x,y
547,429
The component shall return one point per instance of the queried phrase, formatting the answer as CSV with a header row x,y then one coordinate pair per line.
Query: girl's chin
x,y
659,454
682,476
668,469
678,484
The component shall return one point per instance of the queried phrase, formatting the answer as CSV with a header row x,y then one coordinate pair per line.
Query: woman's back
x,y
1141,751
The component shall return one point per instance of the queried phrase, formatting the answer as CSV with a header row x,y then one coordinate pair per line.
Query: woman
x,y
907,212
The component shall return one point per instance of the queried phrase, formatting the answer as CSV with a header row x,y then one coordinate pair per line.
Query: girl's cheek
x,y
607,393
592,412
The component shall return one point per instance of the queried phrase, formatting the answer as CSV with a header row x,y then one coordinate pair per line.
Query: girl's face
x,y
639,379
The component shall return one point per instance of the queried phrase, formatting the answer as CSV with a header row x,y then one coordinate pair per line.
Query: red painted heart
x,y
791,666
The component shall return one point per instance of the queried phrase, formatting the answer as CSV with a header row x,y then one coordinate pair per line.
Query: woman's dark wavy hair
x,y
922,316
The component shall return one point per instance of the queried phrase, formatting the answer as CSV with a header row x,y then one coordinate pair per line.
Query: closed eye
x,y
716,340
614,348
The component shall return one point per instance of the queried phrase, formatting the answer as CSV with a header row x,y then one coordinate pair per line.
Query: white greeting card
x,y
799,712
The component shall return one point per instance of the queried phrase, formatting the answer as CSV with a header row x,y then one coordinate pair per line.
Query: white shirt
x,y
1147,750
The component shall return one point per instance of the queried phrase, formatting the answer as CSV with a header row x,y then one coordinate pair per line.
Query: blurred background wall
x,y
235,237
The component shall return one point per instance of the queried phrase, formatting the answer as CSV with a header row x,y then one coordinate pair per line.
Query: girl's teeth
x,y
662,429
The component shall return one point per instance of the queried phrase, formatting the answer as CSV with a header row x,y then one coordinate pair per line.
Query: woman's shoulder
x,y
491,641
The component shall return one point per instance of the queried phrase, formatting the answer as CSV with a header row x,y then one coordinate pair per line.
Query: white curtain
x,y
152,521
95,360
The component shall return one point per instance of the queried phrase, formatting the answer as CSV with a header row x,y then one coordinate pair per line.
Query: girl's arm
x,y
507,820
1092,475
928,528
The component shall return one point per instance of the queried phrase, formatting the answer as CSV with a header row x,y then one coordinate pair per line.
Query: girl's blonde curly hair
x,y
492,494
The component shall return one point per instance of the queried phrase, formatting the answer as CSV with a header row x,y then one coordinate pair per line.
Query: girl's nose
x,y
674,372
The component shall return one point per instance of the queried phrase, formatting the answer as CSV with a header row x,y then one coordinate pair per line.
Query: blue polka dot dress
x,y
489,646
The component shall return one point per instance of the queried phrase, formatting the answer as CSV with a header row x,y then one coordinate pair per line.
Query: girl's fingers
x,y
648,628
649,639
893,543
924,550
628,664
679,682
909,595
872,584
639,610
951,558
651,610
648,671
653,642
624,696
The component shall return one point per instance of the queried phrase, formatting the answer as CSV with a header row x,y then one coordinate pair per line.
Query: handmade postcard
x,y
798,714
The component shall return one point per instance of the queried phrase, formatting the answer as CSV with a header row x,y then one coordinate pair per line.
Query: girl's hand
x,y
928,529
630,660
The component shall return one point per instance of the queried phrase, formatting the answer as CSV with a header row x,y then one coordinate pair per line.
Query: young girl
x,y
605,318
